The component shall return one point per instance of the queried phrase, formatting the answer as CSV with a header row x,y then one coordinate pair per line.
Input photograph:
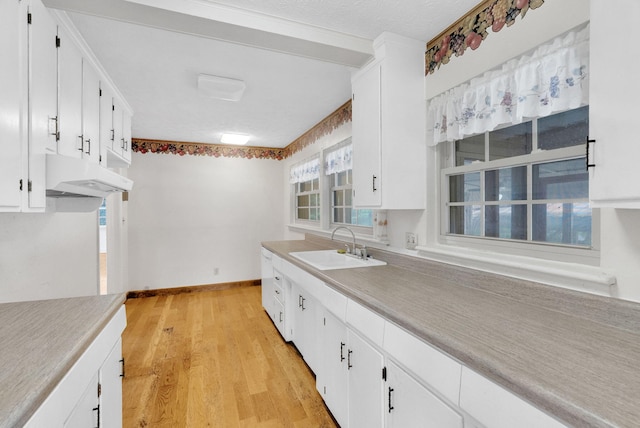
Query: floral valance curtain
x,y
553,78
338,160
305,171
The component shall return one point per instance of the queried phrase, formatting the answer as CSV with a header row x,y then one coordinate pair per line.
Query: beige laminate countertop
x,y
574,355
41,340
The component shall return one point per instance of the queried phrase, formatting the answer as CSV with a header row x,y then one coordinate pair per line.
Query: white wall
x,y
45,256
189,215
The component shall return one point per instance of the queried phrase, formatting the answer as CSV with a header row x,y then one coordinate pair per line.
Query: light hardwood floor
x,y
213,359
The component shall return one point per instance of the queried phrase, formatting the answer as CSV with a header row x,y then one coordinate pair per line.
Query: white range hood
x,y
78,185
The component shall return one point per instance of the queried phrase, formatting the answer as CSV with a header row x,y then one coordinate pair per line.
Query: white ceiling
x,y
295,56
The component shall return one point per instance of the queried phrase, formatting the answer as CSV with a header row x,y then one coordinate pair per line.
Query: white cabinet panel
x,y
364,364
366,138
266,268
410,404
90,113
13,16
388,129
43,99
111,374
496,407
87,411
612,108
333,381
304,326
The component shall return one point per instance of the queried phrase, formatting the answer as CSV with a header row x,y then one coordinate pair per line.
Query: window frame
x,y
540,249
296,193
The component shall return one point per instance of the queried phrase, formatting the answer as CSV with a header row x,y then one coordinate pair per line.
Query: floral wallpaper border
x,y
470,30
324,127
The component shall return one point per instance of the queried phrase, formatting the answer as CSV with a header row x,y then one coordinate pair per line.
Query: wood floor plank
x,y
214,359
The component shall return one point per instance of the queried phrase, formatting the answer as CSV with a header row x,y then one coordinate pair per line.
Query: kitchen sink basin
x,y
331,259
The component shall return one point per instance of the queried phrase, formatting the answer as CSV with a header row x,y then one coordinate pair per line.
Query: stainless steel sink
x,y
331,259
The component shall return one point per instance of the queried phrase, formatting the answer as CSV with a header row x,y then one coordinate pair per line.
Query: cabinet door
x,y
364,364
43,99
612,108
118,138
70,97
367,180
111,374
305,335
126,136
333,380
13,16
279,316
87,411
106,122
90,113
409,404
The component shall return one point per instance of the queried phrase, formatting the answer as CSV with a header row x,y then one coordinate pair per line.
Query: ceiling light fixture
x,y
221,88
235,139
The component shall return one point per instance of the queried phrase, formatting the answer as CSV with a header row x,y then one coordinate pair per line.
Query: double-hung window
x,y
512,141
305,178
338,169
526,182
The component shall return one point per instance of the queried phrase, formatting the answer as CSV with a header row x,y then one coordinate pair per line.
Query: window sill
x,y
573,276
340,235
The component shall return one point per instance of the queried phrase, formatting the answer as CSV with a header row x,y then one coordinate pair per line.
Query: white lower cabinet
x,y
266,268
332,381
304,325
364,366
351,377
409,404
372,373
90,393
87,410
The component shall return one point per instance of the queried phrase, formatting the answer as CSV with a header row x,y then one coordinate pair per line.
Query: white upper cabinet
x,y
28,103
90,113
613,94
116,135
388,127
50,102
13,16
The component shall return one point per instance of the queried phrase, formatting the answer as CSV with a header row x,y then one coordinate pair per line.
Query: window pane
x,y
568,223
347,216
506,184
349,177
347,197
561,180
305,186
303,200
470,149
511,141
316,183
338,197
342,178
566,129
314,214
338,215
464,187
303,213
465,220
365,217
313,200
506,221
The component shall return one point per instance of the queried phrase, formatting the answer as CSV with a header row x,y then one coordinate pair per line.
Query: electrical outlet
x,y
410,240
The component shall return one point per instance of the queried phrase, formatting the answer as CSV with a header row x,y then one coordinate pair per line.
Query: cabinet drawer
x,y
368,323
495,407
425,362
